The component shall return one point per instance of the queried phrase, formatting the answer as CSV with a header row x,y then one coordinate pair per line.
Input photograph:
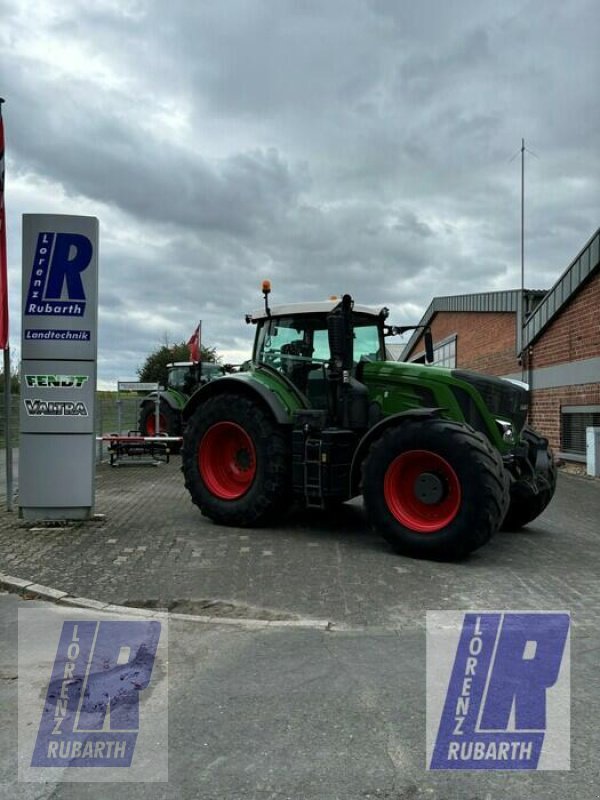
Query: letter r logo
x,y
72,255
120,679
528,657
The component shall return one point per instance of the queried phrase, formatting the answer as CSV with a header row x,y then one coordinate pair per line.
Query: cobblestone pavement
x,y
153,547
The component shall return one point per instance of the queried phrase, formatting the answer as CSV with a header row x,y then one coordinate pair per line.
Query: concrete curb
x,y
37,591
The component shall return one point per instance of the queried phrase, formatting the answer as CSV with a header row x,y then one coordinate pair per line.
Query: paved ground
x,y
307,714
276,714
155,548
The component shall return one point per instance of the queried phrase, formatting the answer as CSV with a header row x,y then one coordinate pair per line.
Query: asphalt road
x,y
275,712
305,715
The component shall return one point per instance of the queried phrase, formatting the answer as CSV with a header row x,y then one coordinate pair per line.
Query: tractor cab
x,y
182,376
322,348
294,341
186,376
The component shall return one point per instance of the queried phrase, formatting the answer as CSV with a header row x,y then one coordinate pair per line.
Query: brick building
x,y
560,346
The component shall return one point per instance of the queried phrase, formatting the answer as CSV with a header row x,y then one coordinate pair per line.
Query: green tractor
x,y
441,456
183,378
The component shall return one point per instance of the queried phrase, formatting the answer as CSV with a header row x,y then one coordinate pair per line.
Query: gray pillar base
x,y
54,514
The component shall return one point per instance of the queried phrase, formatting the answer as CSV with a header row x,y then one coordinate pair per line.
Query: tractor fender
x,y
166,396
241,384
375,432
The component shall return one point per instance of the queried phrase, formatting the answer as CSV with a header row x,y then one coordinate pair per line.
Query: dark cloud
x,y
360,145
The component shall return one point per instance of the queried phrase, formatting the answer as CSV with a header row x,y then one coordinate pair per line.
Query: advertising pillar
x,y
59,346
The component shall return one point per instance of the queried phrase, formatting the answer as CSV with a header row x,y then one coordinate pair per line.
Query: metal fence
x,y
113,415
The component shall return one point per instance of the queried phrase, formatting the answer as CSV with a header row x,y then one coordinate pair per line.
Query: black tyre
x,y
169,422
530,495
237,462
434,488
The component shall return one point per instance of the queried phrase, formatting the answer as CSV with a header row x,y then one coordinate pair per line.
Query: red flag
x,y
3,268
194,344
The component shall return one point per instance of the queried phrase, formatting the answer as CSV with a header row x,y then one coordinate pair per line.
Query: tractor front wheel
x,y
434,489
236,462
530,495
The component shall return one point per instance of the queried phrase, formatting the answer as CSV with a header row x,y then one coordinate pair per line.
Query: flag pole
x,y
8,431
4,332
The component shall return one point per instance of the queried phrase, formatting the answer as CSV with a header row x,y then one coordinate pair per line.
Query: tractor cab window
x,y
367,343
286,344
178,377
298,347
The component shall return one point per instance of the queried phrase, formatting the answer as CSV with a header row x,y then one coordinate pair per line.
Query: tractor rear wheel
x,y
169,421
435,488
236,462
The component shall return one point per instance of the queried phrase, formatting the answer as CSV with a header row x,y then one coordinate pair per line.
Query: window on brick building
x,y
573,423
444,354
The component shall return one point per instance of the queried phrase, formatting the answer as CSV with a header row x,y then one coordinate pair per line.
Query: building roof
x,y
393,351
491,302
585,263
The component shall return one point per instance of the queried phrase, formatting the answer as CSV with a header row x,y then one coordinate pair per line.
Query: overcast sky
x,y
329,145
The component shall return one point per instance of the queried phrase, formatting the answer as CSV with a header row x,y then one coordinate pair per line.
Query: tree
x,y
15,384
154,368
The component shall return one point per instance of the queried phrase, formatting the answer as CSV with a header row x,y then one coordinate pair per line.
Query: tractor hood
x,y
482,400
502,398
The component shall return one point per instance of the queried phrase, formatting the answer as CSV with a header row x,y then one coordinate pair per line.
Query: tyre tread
x,y
472,449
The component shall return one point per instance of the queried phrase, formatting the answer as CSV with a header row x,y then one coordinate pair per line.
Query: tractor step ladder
x,y
313,475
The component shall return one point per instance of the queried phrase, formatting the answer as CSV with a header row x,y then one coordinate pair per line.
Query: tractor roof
x,y
317,307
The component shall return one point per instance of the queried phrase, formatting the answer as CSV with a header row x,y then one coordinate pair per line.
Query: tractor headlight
x,y
506,430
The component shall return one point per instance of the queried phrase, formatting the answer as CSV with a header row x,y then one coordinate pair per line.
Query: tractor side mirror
x,y
428,346
340,334
336,334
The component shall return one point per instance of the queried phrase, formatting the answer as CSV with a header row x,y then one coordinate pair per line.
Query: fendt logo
x,y
91,713
56,381
56,287
505,673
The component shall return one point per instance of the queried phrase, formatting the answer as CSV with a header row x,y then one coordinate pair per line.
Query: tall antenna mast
x,y
522,299
522,228
521,324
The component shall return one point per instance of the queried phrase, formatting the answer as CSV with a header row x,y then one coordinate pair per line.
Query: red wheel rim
x,y
400,491
227,460
151,424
